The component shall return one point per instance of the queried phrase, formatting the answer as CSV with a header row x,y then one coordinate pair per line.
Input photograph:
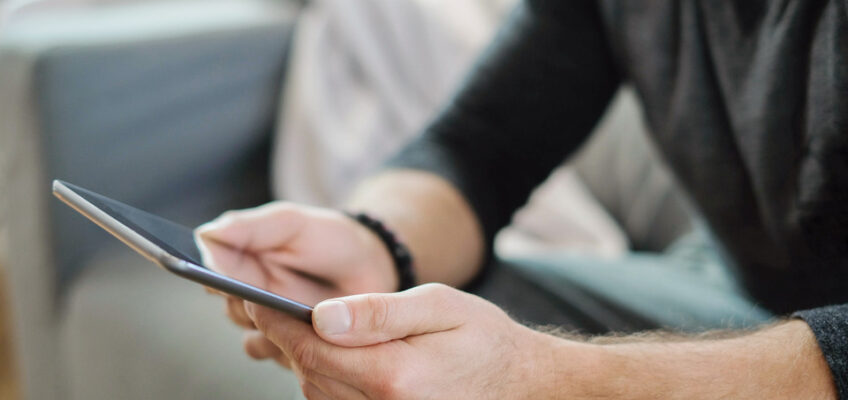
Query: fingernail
x,y
332,317
206,228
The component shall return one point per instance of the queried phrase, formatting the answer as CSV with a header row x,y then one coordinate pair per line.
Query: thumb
x,y
367,319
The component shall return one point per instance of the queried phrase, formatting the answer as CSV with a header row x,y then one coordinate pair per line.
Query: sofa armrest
x,y
164,105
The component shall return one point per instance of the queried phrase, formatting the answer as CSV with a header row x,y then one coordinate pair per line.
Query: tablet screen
x,y
174,238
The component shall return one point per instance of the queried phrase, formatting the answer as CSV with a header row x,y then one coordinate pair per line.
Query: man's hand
x,y
436,342
431,341
302,252
310,254
305,253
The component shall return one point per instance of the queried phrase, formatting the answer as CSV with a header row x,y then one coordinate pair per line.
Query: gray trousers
x,y
685,288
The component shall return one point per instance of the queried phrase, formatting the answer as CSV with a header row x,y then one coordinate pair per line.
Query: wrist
x,y
401,258
381,272
561,368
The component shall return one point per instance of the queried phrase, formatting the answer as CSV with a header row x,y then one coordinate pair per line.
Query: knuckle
x,y
381,310
283,205
303,353
309,390
232,309
391,385
286,209
308,375
261,319
252,349
436,289
439,291
291,215
383,388
258,347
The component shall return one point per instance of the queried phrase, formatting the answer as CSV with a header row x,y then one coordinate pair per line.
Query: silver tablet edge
x,y
132,239
171,263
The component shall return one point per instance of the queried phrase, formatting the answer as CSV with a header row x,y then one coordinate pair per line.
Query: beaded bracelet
x,y
397,250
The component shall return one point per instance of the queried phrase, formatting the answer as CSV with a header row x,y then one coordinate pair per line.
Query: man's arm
x,y
433,220
433,341
783,361
778,362
533,96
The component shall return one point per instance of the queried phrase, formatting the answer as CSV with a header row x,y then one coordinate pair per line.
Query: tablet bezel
x,y
173,263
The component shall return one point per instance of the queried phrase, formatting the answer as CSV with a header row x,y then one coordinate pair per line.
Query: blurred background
x,y
190,108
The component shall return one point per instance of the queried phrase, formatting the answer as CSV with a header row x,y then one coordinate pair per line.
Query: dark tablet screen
x,y
174,238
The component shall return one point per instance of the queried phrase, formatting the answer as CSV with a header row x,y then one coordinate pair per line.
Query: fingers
x,y
311,392
368,319
325,386
305,349
233,262
230,243
258,347
236,313
213,291
260,228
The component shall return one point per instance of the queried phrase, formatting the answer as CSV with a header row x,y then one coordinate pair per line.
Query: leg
x,y
686,288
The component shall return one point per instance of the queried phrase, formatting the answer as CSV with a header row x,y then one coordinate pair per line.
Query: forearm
x,y
780,362
431,217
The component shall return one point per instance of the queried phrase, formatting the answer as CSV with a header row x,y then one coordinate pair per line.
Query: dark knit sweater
x,y
747,100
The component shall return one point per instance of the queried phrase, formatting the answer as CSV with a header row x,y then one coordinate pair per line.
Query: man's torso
x,y
748,102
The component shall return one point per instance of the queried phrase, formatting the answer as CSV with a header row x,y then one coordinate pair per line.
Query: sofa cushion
x,y
135,331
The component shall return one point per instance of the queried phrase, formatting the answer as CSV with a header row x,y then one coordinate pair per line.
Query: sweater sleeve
x,y
534,95
830,325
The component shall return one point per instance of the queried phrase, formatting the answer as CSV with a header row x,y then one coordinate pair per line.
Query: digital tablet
x,y
167,244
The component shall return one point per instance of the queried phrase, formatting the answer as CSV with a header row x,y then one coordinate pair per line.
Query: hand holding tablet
x,y
167,244
268,255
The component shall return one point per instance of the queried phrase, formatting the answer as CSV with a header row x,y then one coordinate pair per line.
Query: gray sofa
x,y
169,106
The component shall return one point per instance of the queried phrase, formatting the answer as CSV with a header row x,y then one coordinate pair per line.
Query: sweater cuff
x,y
830,325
